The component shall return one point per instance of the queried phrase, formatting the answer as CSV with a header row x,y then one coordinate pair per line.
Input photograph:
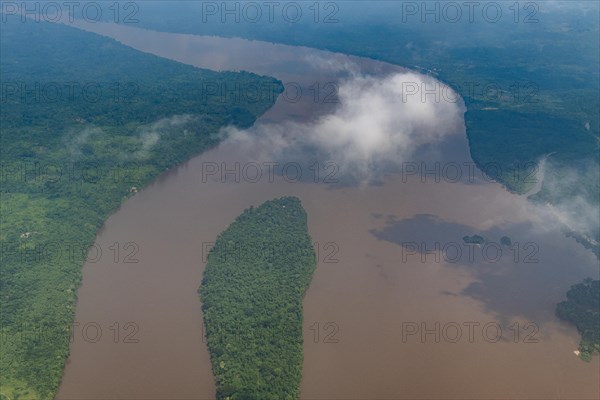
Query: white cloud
x,y
76,141
150,135
577,208
378,121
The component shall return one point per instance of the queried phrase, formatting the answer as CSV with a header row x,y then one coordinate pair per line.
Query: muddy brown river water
x,y
382,318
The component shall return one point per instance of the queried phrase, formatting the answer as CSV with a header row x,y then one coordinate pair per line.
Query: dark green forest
x,y
82,123
254,282
582,309
474,239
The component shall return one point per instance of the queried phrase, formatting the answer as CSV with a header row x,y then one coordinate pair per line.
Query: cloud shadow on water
x,y
528,278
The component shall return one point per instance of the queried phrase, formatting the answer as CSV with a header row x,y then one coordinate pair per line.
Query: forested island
x,y
86,122
473,239
254,282
582,308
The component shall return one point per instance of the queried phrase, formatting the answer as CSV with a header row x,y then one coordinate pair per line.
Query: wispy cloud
x,y
378,121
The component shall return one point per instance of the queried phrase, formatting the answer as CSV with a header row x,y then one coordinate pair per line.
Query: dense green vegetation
x,y
505,241
255,278
474,239
69,160
530,80
582,308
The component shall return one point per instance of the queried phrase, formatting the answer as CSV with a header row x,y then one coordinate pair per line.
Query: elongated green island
x,y
254,282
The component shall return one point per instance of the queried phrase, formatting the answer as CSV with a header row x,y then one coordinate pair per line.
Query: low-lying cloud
x,y
377,122
149,135
91,140
573,192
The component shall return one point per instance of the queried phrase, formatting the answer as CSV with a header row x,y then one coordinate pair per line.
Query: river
x,y
372,294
